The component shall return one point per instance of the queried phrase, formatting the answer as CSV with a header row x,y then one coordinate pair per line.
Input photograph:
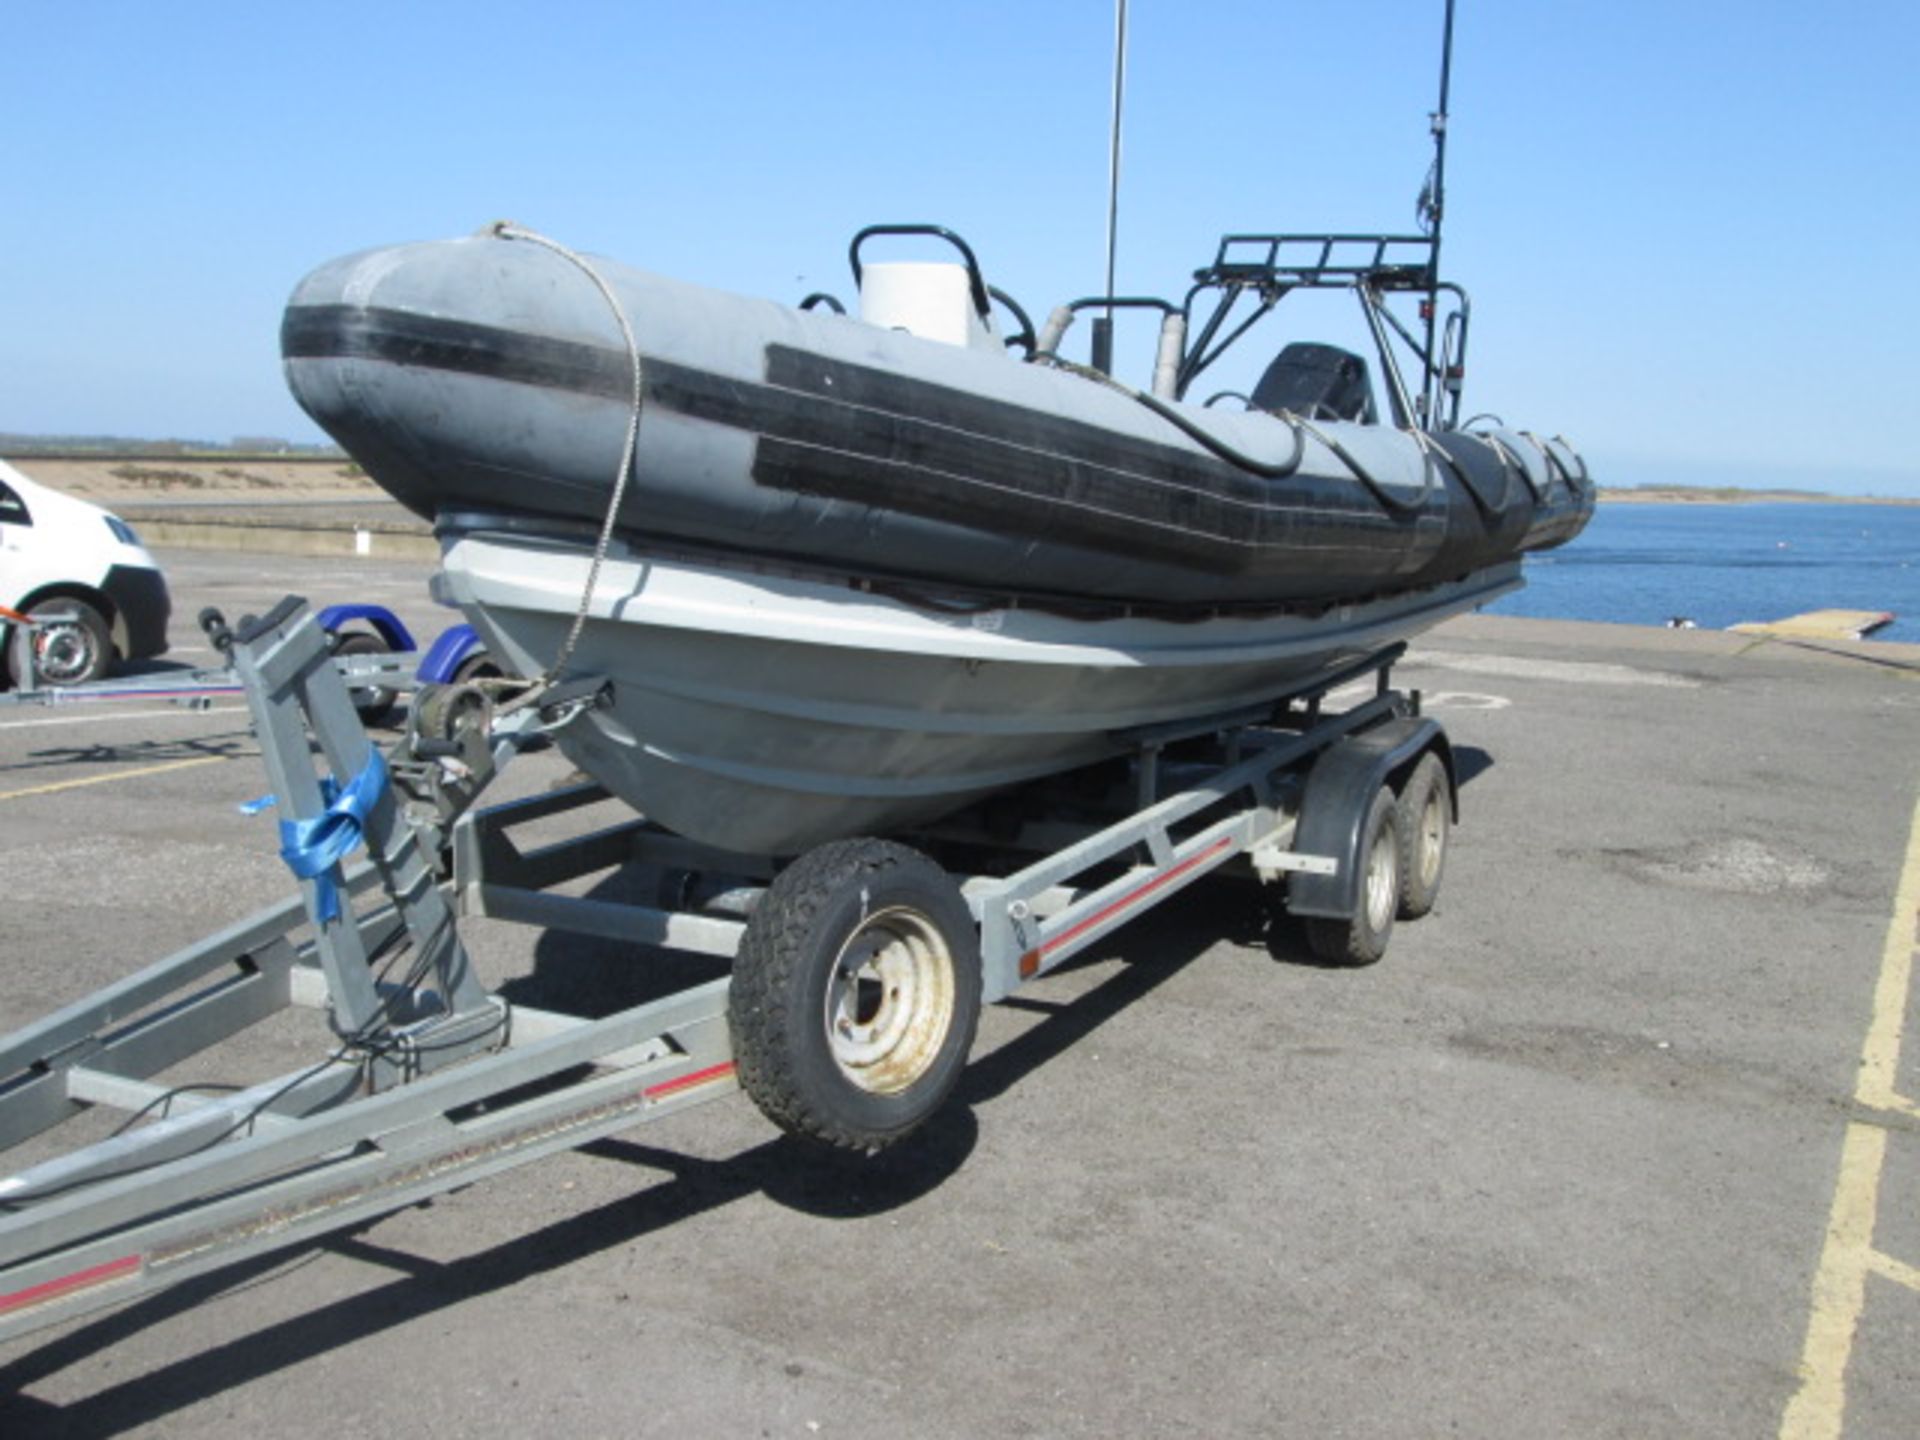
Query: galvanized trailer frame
x,y
375,672
433,1081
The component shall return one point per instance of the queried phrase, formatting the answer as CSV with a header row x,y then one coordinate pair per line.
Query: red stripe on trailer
x,y
1107,912
687,1082
68,1284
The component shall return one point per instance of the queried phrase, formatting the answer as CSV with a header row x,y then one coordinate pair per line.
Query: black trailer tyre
x,y
478,666
1363,939
442,712
856,994
373,703
71,644
1426,826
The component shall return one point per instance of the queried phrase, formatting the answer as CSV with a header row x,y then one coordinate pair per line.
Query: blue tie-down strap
x,y
313,847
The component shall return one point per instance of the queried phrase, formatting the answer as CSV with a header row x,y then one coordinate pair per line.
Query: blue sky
x,y
1687,227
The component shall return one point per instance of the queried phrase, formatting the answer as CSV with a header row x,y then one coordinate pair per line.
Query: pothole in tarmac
x,y
1735,865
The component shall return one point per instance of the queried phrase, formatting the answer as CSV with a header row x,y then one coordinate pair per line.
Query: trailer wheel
x,y
373,703
1426,825
70,644
855,994
478,666
1363,939
442,712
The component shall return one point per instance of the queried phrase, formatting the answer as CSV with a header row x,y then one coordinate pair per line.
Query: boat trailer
x,y
371,647
427,1081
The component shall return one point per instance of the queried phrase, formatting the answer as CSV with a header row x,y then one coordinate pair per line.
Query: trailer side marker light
x,y
1126,901
68,1284
688,1081
1029,964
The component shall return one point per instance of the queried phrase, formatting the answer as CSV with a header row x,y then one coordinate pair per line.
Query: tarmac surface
x,y
1566,1162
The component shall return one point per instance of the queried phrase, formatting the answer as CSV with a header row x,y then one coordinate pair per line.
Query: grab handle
x,y
975,283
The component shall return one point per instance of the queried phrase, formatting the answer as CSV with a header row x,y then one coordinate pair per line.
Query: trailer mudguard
x,y
447,653
383,621
1333,807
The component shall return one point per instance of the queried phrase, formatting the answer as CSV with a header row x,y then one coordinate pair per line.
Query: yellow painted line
x,y
1880,1056
58,786
1895,1270
1817,1410
1839,1290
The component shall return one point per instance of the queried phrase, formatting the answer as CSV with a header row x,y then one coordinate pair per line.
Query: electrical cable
x,y
351,1045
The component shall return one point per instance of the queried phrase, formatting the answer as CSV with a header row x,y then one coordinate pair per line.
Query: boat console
x,y
1320,382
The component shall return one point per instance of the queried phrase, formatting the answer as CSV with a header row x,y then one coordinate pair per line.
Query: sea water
x,y
1720,564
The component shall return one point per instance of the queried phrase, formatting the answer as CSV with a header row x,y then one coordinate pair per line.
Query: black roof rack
x,y
1387,262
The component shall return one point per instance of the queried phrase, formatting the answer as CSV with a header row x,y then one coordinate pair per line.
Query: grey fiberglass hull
x,y
768,712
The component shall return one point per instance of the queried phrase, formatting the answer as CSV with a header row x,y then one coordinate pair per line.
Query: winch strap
x,y
314,846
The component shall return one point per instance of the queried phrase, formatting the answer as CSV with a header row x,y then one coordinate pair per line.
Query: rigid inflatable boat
x,y
851,571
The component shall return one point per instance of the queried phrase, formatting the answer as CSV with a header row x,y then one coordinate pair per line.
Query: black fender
x,y
1334,804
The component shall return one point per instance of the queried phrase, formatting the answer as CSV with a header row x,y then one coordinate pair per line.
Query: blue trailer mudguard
x,y
448,653
383,621
1333,807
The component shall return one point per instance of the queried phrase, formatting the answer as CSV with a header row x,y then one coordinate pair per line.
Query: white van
x,y
84,576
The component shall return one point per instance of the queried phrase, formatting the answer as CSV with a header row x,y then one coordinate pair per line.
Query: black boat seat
x,y
1317,382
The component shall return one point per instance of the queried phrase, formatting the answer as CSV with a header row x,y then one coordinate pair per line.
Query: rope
x,y
1299,425
1264,469
1511,463
1434,450
1386,499
507,230
1555,463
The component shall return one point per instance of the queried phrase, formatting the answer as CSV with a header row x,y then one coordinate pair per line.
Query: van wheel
x,y
71,645
856,994
1363,939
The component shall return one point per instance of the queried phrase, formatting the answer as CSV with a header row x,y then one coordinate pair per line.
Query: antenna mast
x,y
1103,324
1432,209
1433,202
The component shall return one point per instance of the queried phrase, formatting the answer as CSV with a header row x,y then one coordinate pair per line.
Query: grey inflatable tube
x,y
488,375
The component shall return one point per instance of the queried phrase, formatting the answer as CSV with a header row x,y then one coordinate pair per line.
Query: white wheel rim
x,y
1383,881
890,1000
1433,838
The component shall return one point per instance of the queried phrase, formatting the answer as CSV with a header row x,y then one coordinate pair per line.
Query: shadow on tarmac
x,y
1154,949
237,745
597,977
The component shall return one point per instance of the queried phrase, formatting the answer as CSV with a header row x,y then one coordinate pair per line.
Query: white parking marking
x,y
1462,700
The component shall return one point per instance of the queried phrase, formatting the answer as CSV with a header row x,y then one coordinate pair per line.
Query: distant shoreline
x,y
1730,495
145,472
